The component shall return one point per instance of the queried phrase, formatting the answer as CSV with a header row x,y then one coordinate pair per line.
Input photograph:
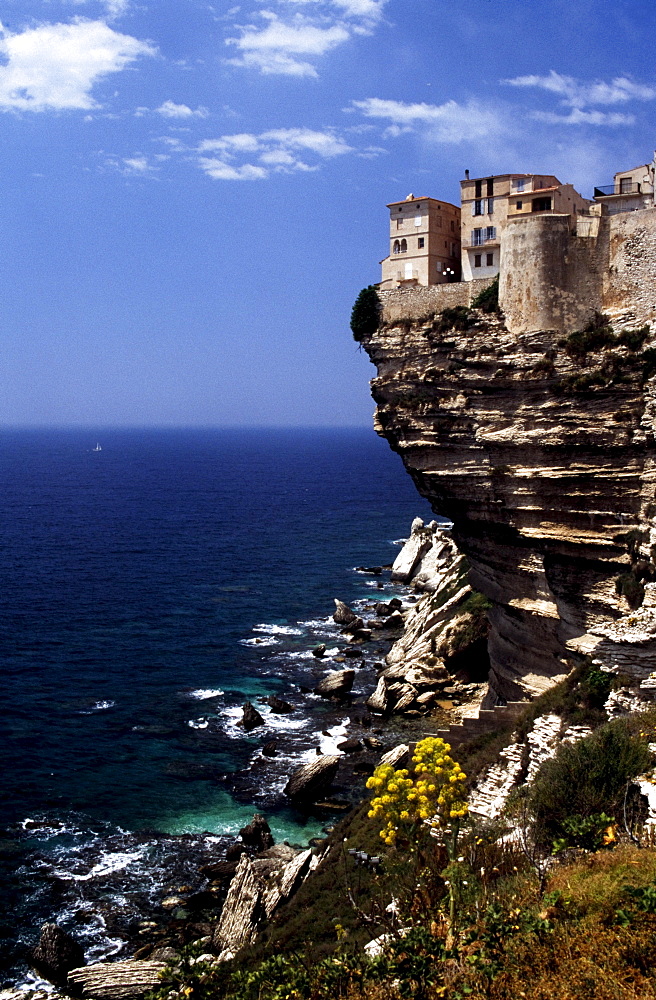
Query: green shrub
x,y
596,335
585,779
457,318
633,339
488,299
365,315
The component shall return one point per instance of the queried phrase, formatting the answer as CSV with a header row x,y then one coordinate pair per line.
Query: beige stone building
x,y
488,203
630,191
424,243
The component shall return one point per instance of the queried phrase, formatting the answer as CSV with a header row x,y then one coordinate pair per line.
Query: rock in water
x,y
310,780
270,749
279,706
257,834
336,684
352,745
319,650
56,954
251,718
343,615
115,980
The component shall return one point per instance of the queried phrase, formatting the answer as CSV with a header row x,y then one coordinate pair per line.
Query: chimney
x,y
466,175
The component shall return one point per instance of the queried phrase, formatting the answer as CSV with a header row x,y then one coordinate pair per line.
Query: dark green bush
x,y
596,335
585,779
457,318
365,315
488,299
633,339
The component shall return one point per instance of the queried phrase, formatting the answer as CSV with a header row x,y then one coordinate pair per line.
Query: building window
x,y
418,220
541,205
489,259
404,246
519,204
477,237
397,247
399,223
519,184
490,187
490,206
453,250
453,226
420,242
479,189
477,260
491,233
440,266
478,207
625,185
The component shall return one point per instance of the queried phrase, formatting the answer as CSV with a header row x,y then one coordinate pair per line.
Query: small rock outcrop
x,y
278,706
257,834
251,718
115,980
336,684
343,615
56,954
311,780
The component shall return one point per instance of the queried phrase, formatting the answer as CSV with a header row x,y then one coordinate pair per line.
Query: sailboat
x,y
97,448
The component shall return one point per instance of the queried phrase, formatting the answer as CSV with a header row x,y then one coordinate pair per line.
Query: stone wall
x,y
419,302
629,287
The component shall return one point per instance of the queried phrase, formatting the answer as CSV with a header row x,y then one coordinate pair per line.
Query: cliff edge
x,y
539,446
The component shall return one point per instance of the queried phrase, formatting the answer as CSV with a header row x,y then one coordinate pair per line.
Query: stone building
x,y
424,243
630,191
489,202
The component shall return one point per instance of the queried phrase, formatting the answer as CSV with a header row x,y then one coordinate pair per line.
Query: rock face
x,y
115,980
541,452
310,780
56,954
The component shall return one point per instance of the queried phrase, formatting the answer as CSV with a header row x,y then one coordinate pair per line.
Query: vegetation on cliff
x,y
365,315
463,908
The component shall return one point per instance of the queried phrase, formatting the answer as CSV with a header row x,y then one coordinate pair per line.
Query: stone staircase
x,y
487,720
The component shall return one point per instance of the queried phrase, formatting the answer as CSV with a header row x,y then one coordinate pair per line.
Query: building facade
x,y
424,243
489,202
630,191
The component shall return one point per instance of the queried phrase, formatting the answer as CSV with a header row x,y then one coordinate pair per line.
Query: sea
x,y
152,581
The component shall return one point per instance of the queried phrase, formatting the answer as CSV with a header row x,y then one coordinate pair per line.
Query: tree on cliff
x,y
365,315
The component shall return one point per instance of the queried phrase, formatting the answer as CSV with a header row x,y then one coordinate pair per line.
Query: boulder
x,y
336,684
277,705
219,871
311,780
410,556
343,615
383,609
361,634
286,883
270,749
319,650
397,757
115,980
251,718
234,851
351,651
395,620
377,702
351,745
405,697
257,834
372,742
56,954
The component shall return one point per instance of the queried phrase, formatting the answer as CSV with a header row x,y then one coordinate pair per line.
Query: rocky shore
x,y
432,674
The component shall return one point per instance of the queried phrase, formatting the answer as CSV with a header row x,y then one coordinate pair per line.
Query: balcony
x,y
409,274
493,241
624,187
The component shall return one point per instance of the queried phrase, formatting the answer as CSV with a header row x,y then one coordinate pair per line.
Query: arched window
x,y
404,246
397,247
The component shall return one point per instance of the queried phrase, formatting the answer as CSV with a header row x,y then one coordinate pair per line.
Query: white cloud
x,y
277,46
578,94
579,117
289,44
284,150
55,66
171,110
449,123
114,7
218,170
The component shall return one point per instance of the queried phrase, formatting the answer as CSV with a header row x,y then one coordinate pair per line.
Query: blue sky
x,y
192,193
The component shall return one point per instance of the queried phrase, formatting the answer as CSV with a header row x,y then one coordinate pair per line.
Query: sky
x,y
192,194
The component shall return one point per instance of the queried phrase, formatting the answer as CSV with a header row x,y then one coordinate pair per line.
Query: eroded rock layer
x,y
542,455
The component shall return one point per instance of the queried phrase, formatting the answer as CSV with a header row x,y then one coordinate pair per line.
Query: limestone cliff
x,y
539,447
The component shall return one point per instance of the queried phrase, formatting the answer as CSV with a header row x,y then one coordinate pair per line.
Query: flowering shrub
x,y
435,791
